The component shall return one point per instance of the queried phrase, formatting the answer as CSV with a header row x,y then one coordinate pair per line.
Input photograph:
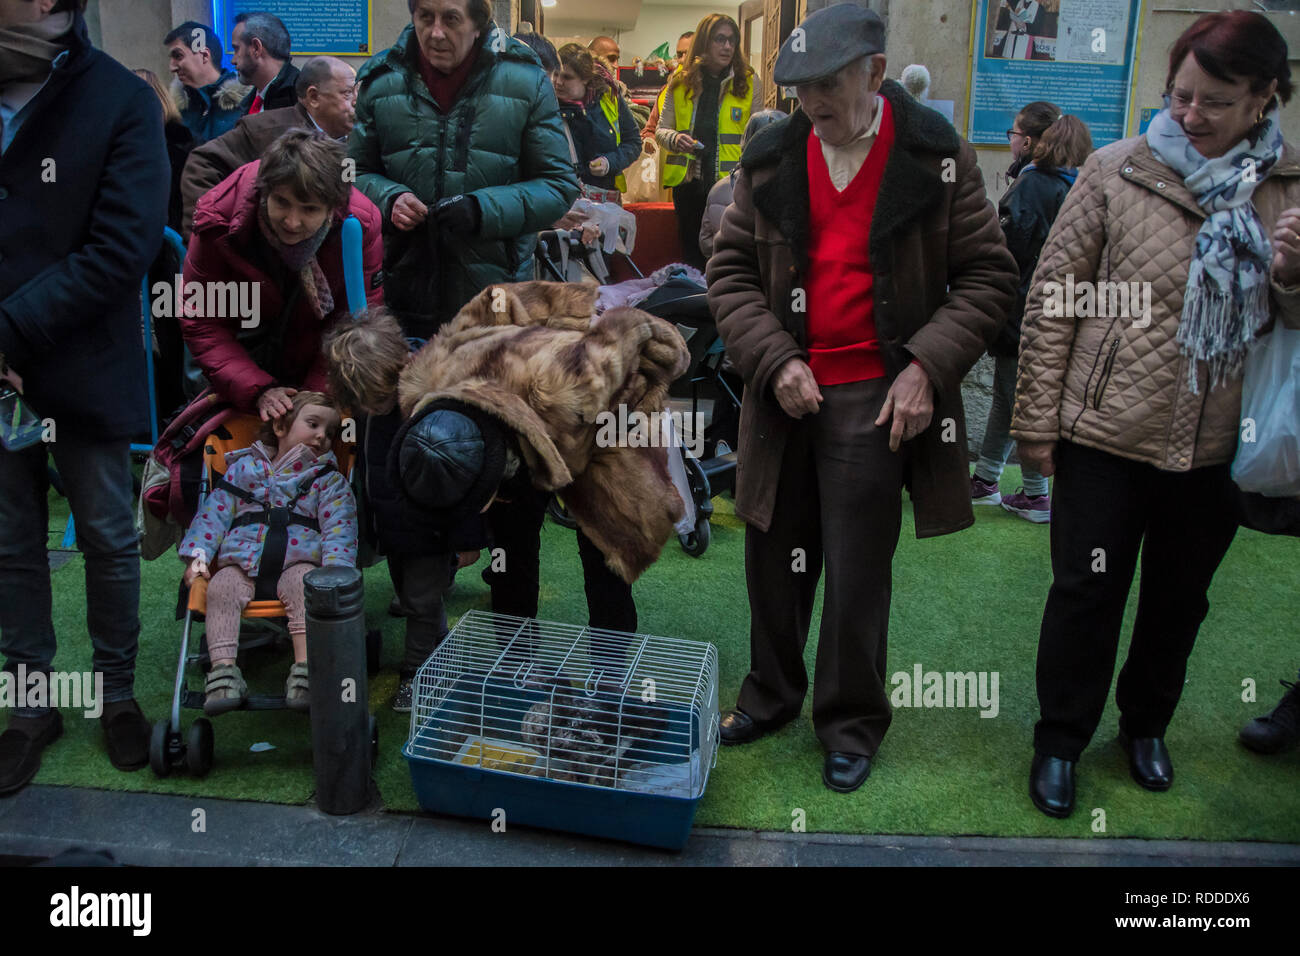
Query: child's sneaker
x,y
405,689
225,690
297,692
1035,508
984,492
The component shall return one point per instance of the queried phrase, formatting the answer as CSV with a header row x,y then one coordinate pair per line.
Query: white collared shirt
x,y
843,162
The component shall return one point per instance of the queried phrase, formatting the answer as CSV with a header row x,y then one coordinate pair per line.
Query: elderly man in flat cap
x,y
858,275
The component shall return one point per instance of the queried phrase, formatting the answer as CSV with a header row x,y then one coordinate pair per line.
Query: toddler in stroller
x,y
281,509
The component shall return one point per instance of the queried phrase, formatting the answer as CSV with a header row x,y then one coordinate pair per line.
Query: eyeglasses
x,y
1015,132
1177,102
724,39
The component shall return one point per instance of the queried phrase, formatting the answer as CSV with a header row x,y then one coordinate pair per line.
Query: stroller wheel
x,y
158,740
560,514
198,752
697,542
374,647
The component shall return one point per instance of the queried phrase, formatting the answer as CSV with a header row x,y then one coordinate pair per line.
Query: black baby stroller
x,y
708,457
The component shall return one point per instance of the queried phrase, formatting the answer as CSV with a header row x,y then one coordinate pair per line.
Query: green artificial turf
x,y
966,602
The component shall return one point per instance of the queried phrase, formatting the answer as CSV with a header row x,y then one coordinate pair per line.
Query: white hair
x,y
916,80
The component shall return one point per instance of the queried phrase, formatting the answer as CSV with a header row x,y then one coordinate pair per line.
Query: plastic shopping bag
x,y
1268,454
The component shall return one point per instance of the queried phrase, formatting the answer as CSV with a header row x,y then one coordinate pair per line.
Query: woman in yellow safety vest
x,y
601,128
703,145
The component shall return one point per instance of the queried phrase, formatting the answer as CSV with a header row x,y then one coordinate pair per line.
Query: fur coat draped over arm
x,y
535,356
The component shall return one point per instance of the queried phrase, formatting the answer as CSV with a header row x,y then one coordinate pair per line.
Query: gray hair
x,y
270,30
314,73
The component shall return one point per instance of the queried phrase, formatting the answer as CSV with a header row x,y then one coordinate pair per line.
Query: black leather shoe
x,y
1051,785
21,746
126,732
738,727
1148,761
1279,730
844,773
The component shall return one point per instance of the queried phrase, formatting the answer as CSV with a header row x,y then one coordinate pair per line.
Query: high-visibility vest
x,y
609,106
733,116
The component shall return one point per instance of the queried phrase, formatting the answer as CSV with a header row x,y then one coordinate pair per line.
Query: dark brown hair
x,y
309,163
1065,143
583,64
1232,46
693,74
480,11
1035,117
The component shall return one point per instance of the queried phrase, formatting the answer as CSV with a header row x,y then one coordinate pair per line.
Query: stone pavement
x,y
153,829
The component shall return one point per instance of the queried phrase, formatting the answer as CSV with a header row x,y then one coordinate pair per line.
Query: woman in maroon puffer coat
x,y
274,228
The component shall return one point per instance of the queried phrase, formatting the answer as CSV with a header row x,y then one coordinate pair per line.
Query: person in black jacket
x,y
169,366
260,53
83,202
604,135
1048,148
365,359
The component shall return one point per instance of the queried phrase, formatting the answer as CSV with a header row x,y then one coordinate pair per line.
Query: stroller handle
x,y
198,600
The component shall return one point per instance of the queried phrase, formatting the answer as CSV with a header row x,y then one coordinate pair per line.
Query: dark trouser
x,y
689,202
516,527
1104,508
421,582
839,500
97,480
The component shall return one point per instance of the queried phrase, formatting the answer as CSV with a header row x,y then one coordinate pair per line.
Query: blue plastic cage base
x,y
443,786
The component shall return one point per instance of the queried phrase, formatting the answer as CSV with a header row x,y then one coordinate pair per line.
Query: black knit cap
x,y
448,459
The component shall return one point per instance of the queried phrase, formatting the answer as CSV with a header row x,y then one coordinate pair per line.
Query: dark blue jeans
x,y
97,479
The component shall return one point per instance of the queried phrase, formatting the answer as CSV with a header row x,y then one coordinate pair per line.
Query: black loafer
x,y
126,733
1051,785
1148,761
21,746
844,773
737,727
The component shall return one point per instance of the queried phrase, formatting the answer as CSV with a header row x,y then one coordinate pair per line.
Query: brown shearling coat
x,y
1113,383
944,281
533,355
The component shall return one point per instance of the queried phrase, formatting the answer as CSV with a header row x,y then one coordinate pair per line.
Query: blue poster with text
x,y
338,27
1078,54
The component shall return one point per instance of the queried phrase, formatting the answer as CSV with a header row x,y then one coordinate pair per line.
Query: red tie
x,y
256,106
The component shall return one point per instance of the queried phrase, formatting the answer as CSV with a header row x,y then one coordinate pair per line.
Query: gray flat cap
x,y
826,42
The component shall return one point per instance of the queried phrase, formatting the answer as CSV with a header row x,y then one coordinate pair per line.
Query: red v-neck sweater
x,y
841,328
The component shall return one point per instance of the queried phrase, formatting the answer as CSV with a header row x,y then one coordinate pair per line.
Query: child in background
x,y
365,358
291,468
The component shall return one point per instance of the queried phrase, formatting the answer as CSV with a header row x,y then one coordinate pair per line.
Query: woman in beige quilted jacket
x,y
1171,253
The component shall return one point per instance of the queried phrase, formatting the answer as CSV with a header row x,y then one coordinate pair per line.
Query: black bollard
x,y
340,700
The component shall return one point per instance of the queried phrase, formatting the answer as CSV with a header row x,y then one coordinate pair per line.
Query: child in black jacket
x,y
365,359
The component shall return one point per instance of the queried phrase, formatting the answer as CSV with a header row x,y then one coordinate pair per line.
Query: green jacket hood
x,y
496,45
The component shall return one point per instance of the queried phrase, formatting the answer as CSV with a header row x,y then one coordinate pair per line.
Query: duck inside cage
x,y
568,727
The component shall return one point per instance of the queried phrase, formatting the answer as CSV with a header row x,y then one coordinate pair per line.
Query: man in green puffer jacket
x,y
459,142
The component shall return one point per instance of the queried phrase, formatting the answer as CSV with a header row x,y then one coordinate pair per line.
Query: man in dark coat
x,y
260,54
83,203
326,101
858,275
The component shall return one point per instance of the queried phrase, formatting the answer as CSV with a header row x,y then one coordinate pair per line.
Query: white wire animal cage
x,y
568,727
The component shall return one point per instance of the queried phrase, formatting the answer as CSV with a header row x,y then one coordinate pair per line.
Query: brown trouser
x,y
839,500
